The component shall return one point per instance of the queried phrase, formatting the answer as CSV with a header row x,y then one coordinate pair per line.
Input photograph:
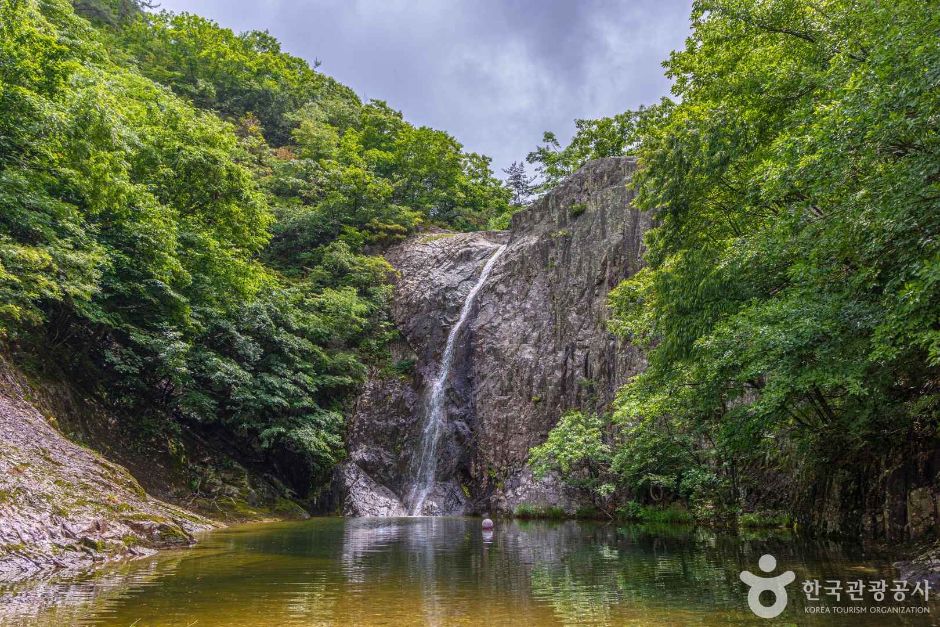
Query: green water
x,y
444,571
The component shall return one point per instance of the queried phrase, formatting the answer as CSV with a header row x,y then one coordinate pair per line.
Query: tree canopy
x,y
189,221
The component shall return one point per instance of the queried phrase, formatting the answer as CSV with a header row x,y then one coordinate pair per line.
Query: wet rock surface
x,y
436,270
536,346
924,566
63,506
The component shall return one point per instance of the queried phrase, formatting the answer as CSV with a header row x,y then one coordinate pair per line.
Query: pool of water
x,y
446,571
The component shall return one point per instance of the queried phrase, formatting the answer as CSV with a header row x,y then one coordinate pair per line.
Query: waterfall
x,y
426,471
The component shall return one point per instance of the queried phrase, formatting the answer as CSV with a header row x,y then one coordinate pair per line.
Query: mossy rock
x,y
577,209
289,509
433,237
173,535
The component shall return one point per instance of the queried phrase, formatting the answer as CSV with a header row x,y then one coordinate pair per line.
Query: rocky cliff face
x,y
63,506
537,345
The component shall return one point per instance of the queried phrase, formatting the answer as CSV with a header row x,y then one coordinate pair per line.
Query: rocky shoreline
x,y
65,507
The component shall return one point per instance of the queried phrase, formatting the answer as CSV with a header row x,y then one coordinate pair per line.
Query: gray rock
x,y
540,344
921,512
523,488
62,506
924,566
366,497
537,346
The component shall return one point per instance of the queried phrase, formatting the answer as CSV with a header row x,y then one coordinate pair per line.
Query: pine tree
x,y
519,183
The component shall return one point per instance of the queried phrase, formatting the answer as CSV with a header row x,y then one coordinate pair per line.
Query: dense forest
x,y
791,304
190,220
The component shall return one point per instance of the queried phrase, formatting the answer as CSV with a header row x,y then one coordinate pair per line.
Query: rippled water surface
x,y
444,571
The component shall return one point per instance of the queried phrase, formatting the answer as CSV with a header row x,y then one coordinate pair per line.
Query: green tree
x,y
519,183
189,220
578,450
791,305
593,139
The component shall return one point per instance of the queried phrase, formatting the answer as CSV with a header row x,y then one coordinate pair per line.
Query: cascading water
x,y
424,475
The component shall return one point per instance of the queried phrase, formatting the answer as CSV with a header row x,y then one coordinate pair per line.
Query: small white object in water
x,y
487,523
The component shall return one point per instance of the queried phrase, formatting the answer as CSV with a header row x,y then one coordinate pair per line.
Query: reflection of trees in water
x,y
605,570
427,555
634,568
577,569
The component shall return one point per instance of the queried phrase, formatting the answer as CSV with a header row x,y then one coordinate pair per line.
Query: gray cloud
x,y
494,73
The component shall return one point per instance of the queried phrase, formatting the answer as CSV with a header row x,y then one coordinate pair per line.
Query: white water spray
x,y
425,474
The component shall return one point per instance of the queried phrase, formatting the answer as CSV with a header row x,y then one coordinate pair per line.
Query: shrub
x,y
756,520
588,512
404,367
577,209
672,514
631,510
528,511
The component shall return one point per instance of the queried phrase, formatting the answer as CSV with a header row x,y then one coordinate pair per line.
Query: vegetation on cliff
x,y
188,216
791,303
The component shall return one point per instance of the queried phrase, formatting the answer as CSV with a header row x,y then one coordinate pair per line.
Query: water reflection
x,y
443,571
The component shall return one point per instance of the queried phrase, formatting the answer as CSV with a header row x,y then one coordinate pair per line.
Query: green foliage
x,y
631,510
228,73
363,172
593,139
184,215
671,514
576,441
110,12
763,520
790,307
577,451
525,510
529,511
520,183
577,209
404,367
588,512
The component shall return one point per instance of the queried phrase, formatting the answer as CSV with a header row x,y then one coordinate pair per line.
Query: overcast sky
x,y
494,73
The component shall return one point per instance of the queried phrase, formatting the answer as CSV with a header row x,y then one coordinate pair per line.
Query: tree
x,y
519,183
189,221
576,449
593,139
790,307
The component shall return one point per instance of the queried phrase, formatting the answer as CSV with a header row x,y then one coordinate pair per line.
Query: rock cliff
x,y
537,345
63,506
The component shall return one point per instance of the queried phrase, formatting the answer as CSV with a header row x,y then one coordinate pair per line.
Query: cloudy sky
x,y
494,73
